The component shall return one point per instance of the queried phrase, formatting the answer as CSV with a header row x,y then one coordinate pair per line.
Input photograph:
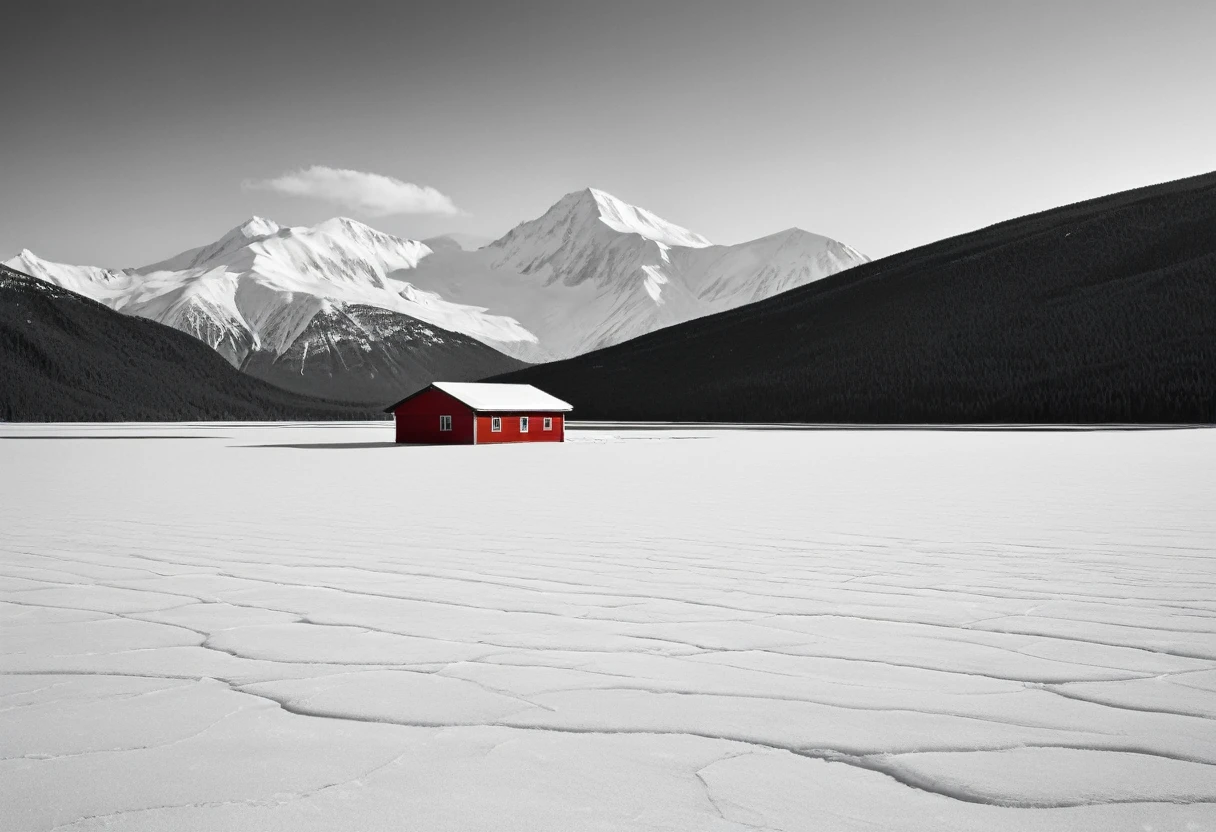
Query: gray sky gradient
x,y
130,127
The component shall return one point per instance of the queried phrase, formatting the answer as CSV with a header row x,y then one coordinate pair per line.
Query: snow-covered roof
x,y
481,396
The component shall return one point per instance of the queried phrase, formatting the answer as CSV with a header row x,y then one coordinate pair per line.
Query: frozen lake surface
x,y
300,627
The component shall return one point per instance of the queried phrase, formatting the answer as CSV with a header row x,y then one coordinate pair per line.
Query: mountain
x,y
262,296
361,353
1098,312
64,357
344,311
594,271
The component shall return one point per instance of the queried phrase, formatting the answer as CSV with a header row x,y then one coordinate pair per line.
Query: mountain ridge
x,y
1091,313
591,271
65,357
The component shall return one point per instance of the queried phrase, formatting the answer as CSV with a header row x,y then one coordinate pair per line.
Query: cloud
x,y
368,193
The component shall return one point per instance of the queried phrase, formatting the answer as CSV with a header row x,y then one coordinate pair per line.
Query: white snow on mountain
x,y
258,287
105,285
627,219
253,229
594,271
591,272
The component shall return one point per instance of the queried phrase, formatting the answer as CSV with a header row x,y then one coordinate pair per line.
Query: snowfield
x,y
303,627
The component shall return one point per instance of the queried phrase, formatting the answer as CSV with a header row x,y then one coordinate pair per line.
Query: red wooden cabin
x,y
465,413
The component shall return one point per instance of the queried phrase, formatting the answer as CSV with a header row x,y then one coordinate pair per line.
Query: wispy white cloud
x,y
368,193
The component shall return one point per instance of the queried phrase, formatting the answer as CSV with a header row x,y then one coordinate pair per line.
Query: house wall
x,y
418,420
510,428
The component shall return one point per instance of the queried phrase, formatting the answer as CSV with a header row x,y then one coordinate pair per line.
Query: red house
x,y
462,413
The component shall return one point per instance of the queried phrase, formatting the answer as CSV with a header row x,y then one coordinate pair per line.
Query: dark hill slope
x,y
66,358
1099,312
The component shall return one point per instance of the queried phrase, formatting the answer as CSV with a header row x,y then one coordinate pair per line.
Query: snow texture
x,y
305,627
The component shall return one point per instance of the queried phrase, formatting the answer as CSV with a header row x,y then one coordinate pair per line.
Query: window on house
x,y
445,422
523,424
496,424
548,423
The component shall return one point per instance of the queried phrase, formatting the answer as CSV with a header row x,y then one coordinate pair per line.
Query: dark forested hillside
x,y
1099,312
66,358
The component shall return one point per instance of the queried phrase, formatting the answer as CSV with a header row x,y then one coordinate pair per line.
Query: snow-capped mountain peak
x,y
258,286
257,227
594,270
347,227
594,218
591,271
629,219
74,278
253,229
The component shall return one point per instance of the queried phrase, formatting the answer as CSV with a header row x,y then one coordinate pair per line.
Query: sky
x,y
133,131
